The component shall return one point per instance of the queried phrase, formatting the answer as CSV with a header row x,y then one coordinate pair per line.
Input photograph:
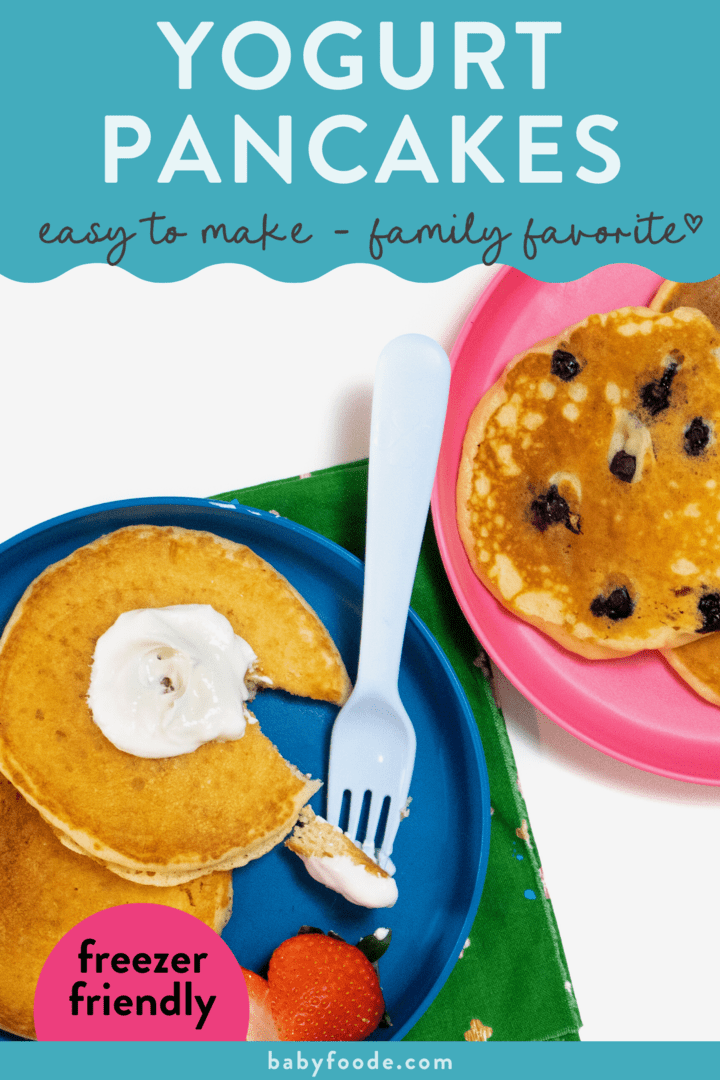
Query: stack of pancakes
x,y
45,890
589,487
157,823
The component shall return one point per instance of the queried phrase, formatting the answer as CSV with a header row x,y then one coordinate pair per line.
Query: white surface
x,y
631,864
116,388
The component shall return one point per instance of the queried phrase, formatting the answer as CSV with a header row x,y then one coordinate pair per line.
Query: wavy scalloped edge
x,y
673,266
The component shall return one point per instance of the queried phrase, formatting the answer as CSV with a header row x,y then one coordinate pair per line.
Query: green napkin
x,y
512,976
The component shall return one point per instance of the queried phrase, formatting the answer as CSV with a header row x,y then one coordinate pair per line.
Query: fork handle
x,y
412,381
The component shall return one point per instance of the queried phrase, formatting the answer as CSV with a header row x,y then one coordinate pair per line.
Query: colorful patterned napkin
x,y
511,980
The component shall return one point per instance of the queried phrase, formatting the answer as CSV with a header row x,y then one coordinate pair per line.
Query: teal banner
x,y
320,1061
422,137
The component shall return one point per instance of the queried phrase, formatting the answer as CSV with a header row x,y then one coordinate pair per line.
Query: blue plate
x,y
441,849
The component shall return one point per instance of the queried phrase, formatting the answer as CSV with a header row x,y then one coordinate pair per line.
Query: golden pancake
x,y
699,665
170,819
702,295
589,486
699,662
45,890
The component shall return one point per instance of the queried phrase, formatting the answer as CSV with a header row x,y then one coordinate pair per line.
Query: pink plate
x,y
634,709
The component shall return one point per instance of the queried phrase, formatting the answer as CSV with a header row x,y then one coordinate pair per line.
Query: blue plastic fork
x,y
372,749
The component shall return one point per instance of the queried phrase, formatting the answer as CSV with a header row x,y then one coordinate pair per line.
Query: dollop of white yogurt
x,y
166,680
352,880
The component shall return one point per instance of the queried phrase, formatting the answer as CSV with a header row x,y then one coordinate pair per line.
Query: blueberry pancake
x,y
589,486
699,662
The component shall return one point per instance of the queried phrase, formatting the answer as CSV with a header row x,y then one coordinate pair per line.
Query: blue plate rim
x,y
234,507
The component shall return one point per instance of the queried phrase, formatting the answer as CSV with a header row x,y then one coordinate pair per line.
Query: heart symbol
x,y
693,223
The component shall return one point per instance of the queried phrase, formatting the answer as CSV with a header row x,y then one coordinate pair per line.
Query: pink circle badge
x,y
141,972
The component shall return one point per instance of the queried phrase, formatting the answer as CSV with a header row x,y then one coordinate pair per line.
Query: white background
x,y
116,388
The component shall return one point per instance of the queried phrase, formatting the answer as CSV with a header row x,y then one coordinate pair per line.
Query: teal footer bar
x,y
506,1061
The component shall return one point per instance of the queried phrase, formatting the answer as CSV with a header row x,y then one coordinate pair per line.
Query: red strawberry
x,y
262,1026
322,989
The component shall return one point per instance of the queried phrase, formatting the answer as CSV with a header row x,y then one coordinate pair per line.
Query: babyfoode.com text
x,y
336,1059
